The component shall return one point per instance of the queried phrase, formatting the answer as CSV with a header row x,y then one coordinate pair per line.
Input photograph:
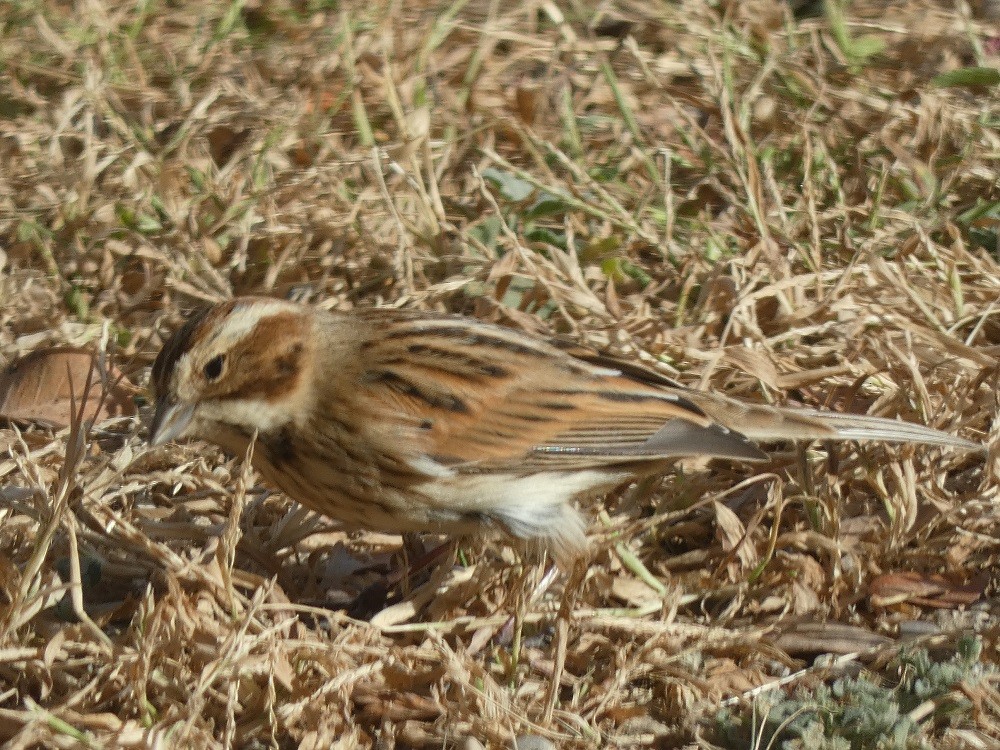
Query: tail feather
x,y
759,422
861,427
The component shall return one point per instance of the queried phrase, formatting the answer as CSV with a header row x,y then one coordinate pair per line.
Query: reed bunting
x,y
408,421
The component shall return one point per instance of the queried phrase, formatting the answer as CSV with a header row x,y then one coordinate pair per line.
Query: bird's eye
x,y
213,368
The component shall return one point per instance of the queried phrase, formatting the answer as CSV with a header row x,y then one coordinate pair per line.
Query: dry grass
x,y
762,204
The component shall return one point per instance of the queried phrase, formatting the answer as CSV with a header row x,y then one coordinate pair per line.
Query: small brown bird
x,y
408,421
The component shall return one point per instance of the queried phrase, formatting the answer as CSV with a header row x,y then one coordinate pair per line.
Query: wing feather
x,y
473,396
477,396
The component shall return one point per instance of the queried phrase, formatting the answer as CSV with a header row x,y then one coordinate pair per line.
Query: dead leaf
x,y
828,638
732,533
41,387
396,705
726,677
803,598
931,590
753,362
633,591
223,141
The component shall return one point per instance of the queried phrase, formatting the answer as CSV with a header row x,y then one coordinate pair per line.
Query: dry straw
x,y
784,207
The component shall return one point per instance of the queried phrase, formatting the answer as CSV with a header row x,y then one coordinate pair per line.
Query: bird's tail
x,y
763,423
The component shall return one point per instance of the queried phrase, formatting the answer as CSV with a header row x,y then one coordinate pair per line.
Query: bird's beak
x,y
169,421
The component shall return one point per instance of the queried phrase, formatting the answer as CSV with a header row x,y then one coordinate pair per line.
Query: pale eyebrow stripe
x,y
244,317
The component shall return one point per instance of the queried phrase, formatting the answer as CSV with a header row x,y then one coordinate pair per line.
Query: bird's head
x,y
235,367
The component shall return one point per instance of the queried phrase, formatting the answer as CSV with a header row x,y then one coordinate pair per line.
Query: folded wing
x,y
476,397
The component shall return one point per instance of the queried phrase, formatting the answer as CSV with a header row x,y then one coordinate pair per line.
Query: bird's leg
x,y
413,551
375,598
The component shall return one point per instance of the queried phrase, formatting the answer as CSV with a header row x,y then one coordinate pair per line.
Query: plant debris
x,y
782,201
49,386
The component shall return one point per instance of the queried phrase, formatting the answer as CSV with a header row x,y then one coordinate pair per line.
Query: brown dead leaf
x,y
633,591
828,638
726,677
223,141
41,387
803,598
928,590
732,533
397,706
753,362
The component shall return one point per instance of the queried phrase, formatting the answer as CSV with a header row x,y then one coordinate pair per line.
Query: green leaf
x,y
612,268
197,178
857,50
604,173
487,231
33,232
546,205
230,19
967,77
76,302
987,239
511,187
864,47
515,292
547,236
147,224
989,209
636,273
600,249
